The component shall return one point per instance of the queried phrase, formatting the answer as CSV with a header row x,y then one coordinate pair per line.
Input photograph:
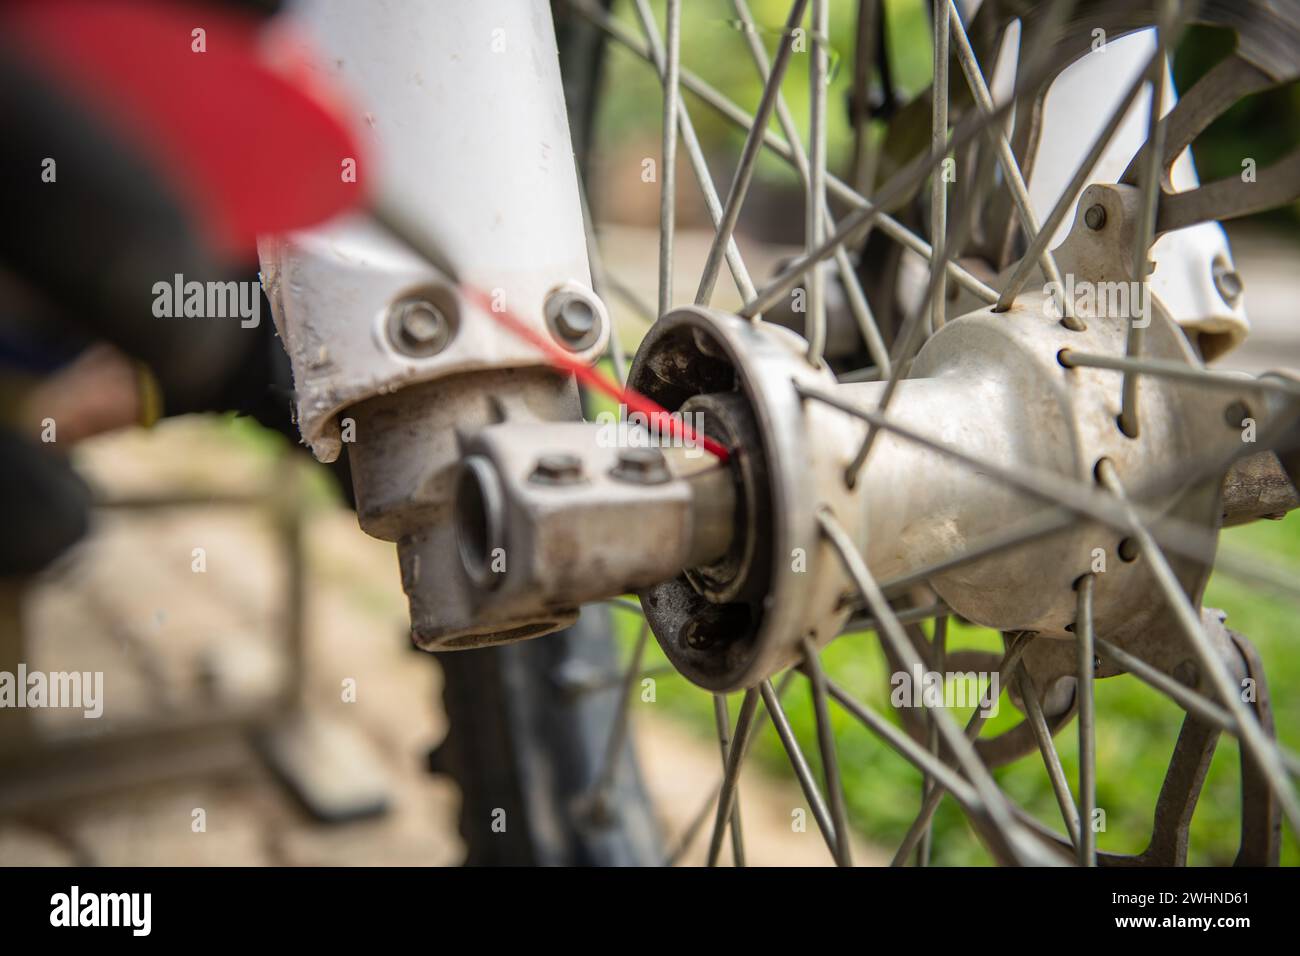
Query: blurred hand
x,y
97,392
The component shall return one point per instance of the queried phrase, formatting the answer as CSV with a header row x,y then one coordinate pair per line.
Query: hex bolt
x,y
574,316
419,328
1095,217
557,469
643,466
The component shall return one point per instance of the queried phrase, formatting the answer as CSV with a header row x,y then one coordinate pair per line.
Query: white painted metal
x,y
462,111
1078,104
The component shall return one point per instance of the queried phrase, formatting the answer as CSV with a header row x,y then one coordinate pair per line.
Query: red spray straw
x,y
591,376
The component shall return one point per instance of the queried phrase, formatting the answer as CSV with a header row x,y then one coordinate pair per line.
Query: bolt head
x,y
557,469
575,316
1095,216
645,466
419,328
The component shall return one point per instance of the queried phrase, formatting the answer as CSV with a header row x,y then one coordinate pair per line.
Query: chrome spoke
x,y
1015,180
938,654
1051,759
1056,489
1128,415
1010,661
830,760
1065,203
694,152
1250,733
1031,529
1186,698
815,198
939,146
907,748
841,190
668,172
1167,368
1083,634
698,820
802,771
723,722
749,155
995,805
858,305
630,297
607,779
910,615
731,776
600,285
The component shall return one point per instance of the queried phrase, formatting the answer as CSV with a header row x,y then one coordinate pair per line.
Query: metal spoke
x,y
1250,733
1128,415
1168,368
802,771
1079,498
939,145
995,804
815,198
860,101
723,722
841,190
1037,526
908,749
1051,759
1065,202
909,615
1010,661
938,652
1189,700
858,305
731,775
913,332
1015,180
1083,634
698,820
694,152
749,155
600,285
830,760
670,76
630,296
608,776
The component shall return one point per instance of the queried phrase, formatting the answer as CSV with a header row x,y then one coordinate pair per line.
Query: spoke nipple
x,y
1095,217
